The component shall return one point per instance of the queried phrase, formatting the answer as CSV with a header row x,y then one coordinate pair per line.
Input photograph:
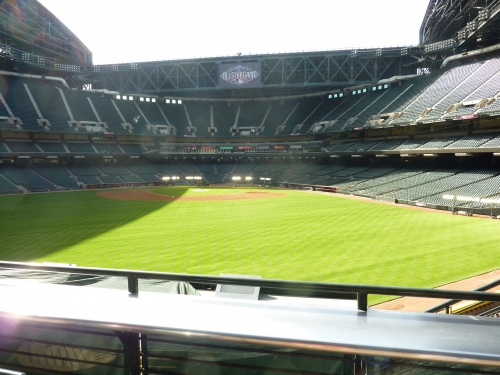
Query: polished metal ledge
x,y
432,337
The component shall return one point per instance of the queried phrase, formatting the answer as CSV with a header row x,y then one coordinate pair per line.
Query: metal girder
x,y
445,18
28,26
308,70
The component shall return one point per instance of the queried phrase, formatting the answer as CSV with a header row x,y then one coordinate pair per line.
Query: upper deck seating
x,y
80,106
132,116
51,105
488,89
177,117
463,89
435,92
199,114
107,112
278,113
17,98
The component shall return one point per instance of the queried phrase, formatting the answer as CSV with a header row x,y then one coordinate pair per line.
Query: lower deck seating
x,y
6,187
53,147
27,178
108,148
58,175
80,147
111,180
90,180
23,147
131,178
85,170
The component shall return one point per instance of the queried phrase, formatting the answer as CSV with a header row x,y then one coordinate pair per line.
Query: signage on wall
x,y
239,75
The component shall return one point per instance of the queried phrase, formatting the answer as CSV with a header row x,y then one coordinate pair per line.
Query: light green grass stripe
x,y
301,236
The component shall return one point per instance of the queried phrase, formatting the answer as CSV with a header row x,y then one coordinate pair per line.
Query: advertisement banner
x,y
239,75
467,117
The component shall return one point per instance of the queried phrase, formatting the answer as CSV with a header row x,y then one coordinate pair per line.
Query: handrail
x,y
447,304
9,372
361,290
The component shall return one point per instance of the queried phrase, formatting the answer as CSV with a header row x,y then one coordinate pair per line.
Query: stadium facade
x,y
411,124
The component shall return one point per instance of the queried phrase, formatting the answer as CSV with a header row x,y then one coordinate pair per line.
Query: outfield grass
x,y
300,236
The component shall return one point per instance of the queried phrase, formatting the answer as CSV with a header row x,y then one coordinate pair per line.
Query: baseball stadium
x,y
323,212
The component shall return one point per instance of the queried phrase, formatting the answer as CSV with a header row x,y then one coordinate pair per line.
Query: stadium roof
x,y
467,24
31,33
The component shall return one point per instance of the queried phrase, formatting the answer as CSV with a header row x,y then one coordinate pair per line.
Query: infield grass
x,y
300,236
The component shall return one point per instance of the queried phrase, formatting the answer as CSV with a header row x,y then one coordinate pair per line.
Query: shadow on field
x,y
35,225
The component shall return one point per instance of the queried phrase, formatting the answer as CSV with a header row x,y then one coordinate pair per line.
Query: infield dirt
x,y
147,195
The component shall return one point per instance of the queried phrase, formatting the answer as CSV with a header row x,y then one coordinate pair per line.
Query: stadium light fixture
x,y
236,178
148,99
265,179
141,99
189,178
167,101
166,178
130,98
179,101
248,178
174,101
330,96
118,96
197,177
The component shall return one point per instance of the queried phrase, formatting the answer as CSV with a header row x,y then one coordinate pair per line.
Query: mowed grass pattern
x,y
300,236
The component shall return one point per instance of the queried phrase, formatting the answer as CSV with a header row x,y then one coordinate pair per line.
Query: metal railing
x,y
279,287
9,372
446,305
